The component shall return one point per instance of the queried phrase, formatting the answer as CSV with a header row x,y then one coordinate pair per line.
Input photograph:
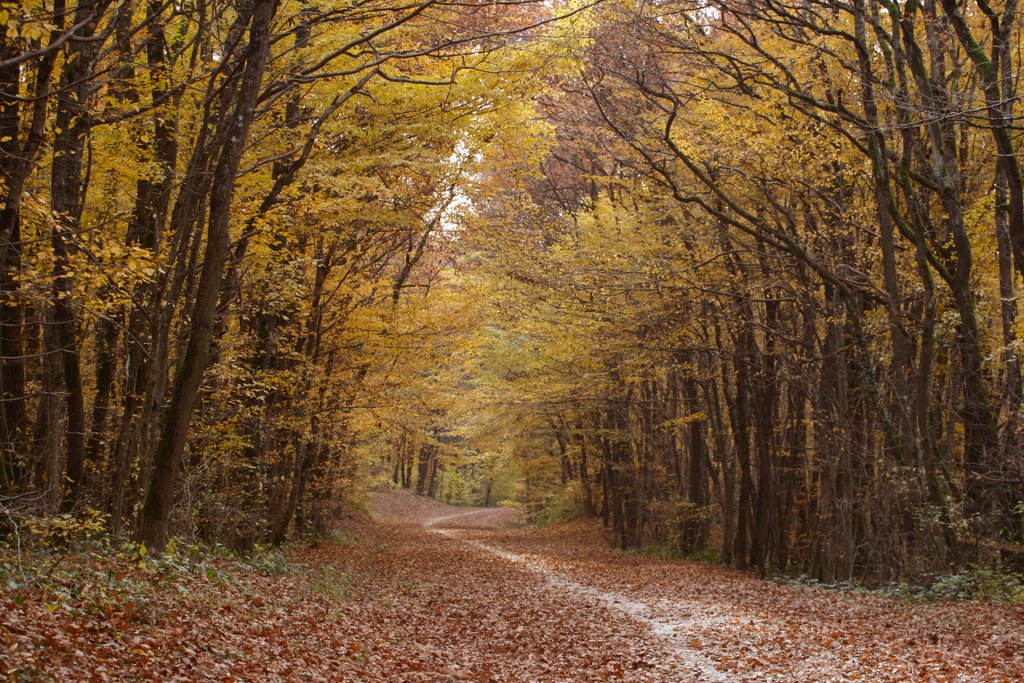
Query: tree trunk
x,y
72,123
156,511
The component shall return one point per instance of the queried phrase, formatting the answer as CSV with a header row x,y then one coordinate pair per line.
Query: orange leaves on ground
x,y
477,603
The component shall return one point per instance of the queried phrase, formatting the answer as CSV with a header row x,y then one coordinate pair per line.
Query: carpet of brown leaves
x,y
431,593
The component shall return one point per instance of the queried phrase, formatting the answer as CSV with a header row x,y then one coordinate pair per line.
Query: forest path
x,y
646,618
668,627
430,593
582,633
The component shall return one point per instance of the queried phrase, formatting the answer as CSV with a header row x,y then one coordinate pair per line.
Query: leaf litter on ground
x,y
430,593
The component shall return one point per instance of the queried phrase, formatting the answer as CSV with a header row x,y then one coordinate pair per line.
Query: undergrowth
x,y
976,583
71,564
667,551
973,584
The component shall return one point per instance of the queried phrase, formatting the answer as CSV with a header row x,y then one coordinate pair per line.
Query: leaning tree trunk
x,y
156,511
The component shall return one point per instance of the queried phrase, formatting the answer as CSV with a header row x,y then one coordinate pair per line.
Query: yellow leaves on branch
x,y
27,22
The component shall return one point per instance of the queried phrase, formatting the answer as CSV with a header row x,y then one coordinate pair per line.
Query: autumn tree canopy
x,y
738,276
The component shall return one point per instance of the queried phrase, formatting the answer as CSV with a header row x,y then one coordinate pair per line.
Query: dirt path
x,y
497,617
699,622
687,660
429,593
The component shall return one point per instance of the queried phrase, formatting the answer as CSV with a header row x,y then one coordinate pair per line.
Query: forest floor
x,y
431,593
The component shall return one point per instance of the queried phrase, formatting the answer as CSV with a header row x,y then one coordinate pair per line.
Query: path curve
x,y
719,624
674,631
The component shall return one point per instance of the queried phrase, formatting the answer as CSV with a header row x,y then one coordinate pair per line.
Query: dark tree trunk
x,y
17,159
696,524
156,512
72,123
